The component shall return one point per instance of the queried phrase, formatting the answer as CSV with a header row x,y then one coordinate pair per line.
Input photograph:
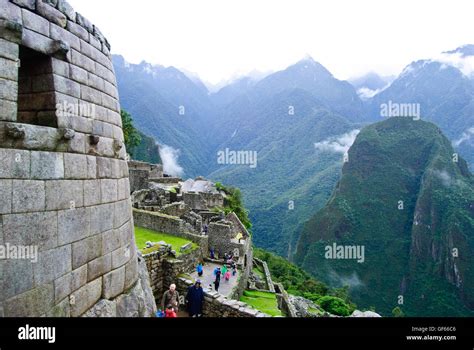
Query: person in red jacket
x,y
170,312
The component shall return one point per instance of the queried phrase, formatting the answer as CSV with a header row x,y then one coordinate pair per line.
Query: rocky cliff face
x,y
406,201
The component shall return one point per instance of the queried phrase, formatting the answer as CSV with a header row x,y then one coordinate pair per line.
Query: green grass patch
x,y
263,301
143,235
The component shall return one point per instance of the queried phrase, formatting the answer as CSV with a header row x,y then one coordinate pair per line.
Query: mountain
x,y
445,97
370,84
153,95
404,200
147,150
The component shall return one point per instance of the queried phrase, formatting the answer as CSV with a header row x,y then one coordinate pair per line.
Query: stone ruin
x,y
64,180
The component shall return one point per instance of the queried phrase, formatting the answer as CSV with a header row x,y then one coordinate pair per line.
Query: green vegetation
x,y
334,305
397,312
265,302
130,134
398,160
143,235
298,282
234,203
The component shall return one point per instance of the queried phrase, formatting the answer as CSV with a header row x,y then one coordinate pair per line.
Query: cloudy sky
x,y
219,39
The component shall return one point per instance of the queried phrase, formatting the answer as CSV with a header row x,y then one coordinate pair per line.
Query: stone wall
x,y
64,184
168,224
141,172
216,305
164,268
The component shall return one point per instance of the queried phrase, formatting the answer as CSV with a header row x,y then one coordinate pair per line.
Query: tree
x,y
130,134
397,312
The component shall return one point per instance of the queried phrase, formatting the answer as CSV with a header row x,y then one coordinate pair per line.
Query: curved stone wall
x,y
64,187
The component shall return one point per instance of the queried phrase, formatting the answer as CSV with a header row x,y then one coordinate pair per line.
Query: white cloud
x,y
353,280
366,93
467,135
169,157
464,64
339,144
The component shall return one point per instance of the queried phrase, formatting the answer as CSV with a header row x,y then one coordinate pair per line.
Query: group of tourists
x,y
193,301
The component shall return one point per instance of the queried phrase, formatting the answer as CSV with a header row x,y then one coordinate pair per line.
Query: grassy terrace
x,y
143,235
263,301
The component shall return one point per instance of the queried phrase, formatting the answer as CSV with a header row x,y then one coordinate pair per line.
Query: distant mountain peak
x,y
464,51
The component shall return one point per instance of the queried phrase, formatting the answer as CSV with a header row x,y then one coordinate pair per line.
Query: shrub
x,y
334,305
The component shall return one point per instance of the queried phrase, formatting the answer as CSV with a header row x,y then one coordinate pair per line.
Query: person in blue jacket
x,y
194,299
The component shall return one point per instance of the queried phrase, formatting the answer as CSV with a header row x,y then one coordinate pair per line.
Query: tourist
x,y
170,313
227,276
194,299
206,228
212,254
217,281
171,297
199,269
224,270
234,270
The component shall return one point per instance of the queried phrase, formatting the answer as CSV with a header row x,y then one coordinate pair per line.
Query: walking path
x,y
208,278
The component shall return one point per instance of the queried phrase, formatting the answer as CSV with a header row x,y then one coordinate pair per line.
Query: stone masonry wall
x,y
168,224
64,184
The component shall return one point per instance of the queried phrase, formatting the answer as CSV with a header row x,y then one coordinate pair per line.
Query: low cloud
x,y
467,135
169,157
464,63
353,280
366,93
444,177
338,144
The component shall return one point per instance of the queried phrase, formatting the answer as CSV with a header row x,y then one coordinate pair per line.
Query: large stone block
x,y
108,168
91,192
8,110
34,22
60,67
47,165
84,22
91,95
6,196
122,213
102,218
8,69
75,166
99,267
9,50
77,30
51,14
12,285
86,250
131,272
32,229
67,9
108,190
69,283
110,241
82,61
37,42
85,297
67,86
8,90
52,264
73,225
58,33
64,194
28,196
30,4
78,74
121,256
31,303
113,283
62,309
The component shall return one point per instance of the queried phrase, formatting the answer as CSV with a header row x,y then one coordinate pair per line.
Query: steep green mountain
x,y
290,170
445,96
411,207
142,94
147,150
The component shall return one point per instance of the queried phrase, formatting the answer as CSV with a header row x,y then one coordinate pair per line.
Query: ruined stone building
x,y
64,183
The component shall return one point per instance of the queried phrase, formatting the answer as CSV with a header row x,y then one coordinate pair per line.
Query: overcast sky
x,y
218,39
